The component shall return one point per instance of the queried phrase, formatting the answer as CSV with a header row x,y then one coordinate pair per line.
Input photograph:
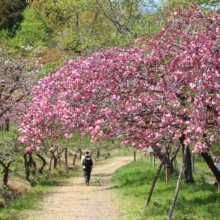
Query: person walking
x,y
87,164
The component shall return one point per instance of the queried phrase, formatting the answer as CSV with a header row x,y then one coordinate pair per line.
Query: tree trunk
x,y
57,161
80,153
74,160
157,150
98,153
173,160
44,163
31,163
134,155
188,166
51,159
208,159
6,171
188,162
27,171
7,124
66,162
211,165
5,177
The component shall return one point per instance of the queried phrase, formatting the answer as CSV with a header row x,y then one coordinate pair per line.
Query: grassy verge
x,y
31,197
132,183
20,195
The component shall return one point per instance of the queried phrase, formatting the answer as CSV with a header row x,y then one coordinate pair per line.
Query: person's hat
x,y
86,151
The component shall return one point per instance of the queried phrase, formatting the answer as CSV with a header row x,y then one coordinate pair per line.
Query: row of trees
x,y
159,90
17,77
42,160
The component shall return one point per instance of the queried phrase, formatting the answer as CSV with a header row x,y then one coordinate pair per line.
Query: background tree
x,y
85,26
125,15
11,15
17,76
73,25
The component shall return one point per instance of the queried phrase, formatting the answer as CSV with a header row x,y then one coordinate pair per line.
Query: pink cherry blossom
x,y
160,86
52,149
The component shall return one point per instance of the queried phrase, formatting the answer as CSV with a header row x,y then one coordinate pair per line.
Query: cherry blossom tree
x,y
17,76
159,88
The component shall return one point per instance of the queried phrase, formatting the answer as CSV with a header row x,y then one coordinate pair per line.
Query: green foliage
x,y
3,36
86,26
30,35
11,14
132,185
76,27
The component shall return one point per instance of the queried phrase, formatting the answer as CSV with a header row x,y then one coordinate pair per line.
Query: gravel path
x,y
76,201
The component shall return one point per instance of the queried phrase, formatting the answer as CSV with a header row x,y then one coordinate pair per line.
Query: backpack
x,y
88,161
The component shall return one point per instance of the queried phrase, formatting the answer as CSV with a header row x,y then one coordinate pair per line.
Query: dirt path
x,y
76,201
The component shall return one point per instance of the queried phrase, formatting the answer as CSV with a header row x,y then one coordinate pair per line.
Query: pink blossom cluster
x,y
155,88
29,149
52,149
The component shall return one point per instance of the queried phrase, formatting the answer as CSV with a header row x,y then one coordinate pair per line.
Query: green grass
x,y
13,208
132,183
16,204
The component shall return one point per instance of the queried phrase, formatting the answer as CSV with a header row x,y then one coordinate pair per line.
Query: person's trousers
x,y
87,173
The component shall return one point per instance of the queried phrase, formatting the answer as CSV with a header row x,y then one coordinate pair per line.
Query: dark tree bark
x,y
31,163
55,159
134,154
79,150
27,170
208,159
51,159
66,162
6,170
187,162
173,160
44,163
74,160
98,153
7,124
167,160
58,161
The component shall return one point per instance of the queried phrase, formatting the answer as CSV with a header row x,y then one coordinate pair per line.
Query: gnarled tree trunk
x,y
208,159
6,170
74,160
27,170
44,163
187,162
